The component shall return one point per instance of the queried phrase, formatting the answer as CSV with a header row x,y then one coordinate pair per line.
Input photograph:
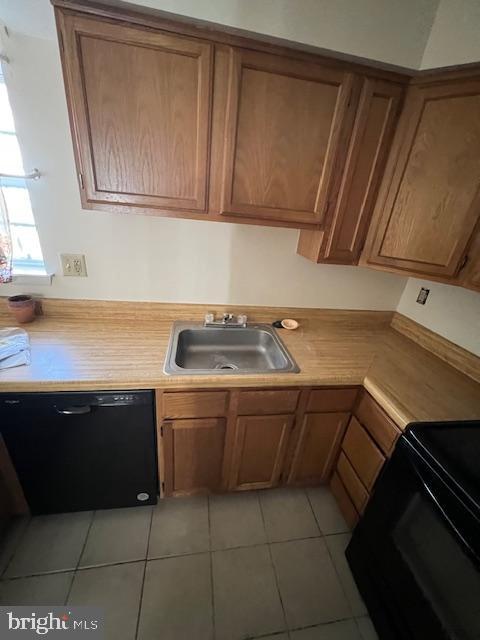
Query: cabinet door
x,y
259,451
140,110
193,455
317,447
350,213
283,125
430,198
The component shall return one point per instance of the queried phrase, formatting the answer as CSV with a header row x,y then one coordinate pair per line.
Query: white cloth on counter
x,y
14,347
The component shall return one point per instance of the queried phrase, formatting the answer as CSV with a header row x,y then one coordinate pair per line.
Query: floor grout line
x,y
309,626
296,539
210,555
360,634
277,582
86,539
69,590
80,556
156,558
340,533
336,533
140,600
17,546
313,512
350,606
73,569
150,533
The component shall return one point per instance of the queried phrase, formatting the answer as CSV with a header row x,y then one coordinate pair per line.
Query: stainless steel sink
x,y
195,349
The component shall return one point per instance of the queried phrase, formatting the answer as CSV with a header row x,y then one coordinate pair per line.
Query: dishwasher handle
x,y
74,411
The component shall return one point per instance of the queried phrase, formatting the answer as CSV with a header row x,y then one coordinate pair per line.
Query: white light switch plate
x,y
73,264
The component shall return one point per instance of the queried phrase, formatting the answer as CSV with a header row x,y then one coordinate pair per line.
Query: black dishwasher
x,y
80,451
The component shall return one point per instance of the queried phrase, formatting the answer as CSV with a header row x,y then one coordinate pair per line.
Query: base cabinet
x,y
369,440
193,455
258,439
259,451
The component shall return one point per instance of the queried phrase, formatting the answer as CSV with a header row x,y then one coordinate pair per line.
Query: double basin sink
x,y
195,349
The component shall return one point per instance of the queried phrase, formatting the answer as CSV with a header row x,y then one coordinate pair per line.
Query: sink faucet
x,y
227,320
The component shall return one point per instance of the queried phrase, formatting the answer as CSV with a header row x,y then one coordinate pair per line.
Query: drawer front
x,y
343,500
357,492
363,454
331,400
255,403
382,429
195,404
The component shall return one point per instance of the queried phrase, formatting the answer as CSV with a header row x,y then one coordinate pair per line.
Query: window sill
x,y
32,276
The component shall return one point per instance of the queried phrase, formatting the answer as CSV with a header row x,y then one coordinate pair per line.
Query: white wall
x,y
450,311
394,31
146,258
455,34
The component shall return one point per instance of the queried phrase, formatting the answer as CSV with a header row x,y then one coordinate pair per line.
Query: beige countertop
x,y
79,345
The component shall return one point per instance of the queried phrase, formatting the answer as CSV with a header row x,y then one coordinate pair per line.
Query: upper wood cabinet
x,y
283,122
341,238
140,113
429,203
175,120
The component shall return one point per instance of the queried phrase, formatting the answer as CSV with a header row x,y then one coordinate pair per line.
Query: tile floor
x,y
266,564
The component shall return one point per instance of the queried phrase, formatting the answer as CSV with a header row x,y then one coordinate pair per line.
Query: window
x,y
27,253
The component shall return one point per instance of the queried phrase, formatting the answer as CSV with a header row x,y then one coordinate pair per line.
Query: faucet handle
x,y
209,317
242,319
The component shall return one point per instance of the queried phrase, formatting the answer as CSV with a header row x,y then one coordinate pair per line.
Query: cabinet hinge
x,y
80,179
161,432
60,41
163,486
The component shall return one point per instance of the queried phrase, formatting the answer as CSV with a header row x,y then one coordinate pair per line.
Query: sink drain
x,y
226,366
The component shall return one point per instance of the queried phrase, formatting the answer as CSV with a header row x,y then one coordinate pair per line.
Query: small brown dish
x,y
22,307
289,324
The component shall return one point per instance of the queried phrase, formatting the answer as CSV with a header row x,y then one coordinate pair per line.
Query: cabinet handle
x,y
74,411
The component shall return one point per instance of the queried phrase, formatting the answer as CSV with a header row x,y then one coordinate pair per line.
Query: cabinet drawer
x,y
363,454
267,402
326,400
382,429
196,404
352,483
343,500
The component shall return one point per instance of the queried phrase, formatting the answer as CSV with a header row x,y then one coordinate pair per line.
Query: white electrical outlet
x,y
423,295
73,264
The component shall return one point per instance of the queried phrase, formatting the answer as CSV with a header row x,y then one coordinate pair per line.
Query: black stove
x,y
415,554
